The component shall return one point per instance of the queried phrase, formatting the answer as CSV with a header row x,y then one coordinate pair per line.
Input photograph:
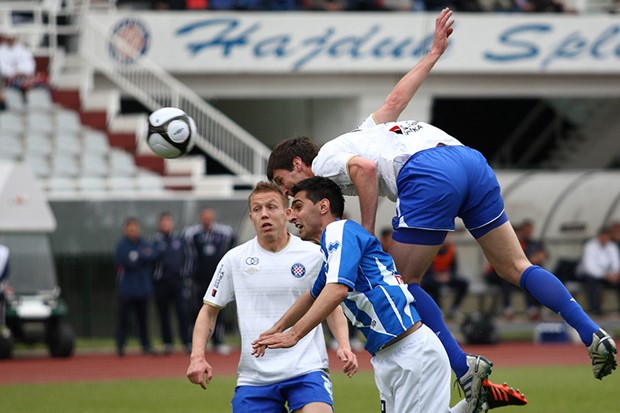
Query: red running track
x,y
108,366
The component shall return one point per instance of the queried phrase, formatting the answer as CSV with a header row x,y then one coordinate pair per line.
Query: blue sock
x,y
550,292
431,316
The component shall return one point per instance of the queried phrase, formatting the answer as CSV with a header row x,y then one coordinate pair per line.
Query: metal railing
x,y
219,137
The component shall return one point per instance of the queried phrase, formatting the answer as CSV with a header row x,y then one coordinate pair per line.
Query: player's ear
x,y
324,206
297,164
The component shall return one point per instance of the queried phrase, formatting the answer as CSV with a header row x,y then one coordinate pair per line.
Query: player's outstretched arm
x,y
199,371
331,296
339,327
398,99
363,174
290,317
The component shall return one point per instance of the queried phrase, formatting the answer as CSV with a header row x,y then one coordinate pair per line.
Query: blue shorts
x,y
439,184
298,392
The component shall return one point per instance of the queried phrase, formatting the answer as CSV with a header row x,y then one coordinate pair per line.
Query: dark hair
x,y
318,188
165,214
131,220
263,187
282,155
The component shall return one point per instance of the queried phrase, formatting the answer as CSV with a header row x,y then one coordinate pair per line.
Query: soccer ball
x,y
171,132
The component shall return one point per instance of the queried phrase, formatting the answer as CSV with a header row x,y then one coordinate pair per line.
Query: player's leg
x,y
431,189
484,216
417,371
309,393
503,251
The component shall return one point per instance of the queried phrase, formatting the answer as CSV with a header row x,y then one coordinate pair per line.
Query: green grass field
x,y
548,389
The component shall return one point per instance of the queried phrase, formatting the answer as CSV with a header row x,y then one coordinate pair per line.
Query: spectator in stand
x,y
170,275
4,275
385,237
600,267
134,258
209,241
17,64
444,272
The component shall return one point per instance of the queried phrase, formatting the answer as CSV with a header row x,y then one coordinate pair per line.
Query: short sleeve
x,y
221,289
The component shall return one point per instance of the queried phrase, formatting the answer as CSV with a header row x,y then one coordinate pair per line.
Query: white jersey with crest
x,y
264,285
388,144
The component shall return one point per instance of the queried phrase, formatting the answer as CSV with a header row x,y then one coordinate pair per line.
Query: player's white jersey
x,y
264,285
388,144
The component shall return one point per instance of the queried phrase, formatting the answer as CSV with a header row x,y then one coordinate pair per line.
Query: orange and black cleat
x,y
499,395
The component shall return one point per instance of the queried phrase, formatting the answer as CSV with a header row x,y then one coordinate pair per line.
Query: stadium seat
x,y
38,163
38,143
14,99
68,121
39,99
93,164
65,165
121,163
95,142
11,146
11,122
39,122
66,142
91,184
121,184
149,183
60,185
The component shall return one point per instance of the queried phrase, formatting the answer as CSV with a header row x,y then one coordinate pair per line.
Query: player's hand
x,y
199,372
350,361
443,30
277,340
259,350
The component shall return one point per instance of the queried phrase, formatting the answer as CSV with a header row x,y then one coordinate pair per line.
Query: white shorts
x,y
413,375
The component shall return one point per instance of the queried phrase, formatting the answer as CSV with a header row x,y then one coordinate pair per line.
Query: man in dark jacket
x,y
134,258
169,276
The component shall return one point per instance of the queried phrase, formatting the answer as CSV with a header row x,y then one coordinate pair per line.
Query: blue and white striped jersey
x,y
378,303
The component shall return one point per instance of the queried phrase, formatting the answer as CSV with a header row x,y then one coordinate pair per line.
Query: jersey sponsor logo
x,y
219,274
298,270
333,246
251,260
213,292
396,129
410,126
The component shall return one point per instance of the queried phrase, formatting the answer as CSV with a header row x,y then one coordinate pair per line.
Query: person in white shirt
x,y
265,276
600,267
17,63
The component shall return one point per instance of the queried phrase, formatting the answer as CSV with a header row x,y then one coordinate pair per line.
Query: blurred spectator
x,y
444,272
171,289
17,64
4,275
385,237
209,241
614,233
134,258
600,267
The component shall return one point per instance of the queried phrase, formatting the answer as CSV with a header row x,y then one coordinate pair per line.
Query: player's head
x,y
131,228
291,161
317,201
268,212
207,218
166,224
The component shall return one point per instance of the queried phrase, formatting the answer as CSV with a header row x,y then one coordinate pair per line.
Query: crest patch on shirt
x,y
333,246
298,270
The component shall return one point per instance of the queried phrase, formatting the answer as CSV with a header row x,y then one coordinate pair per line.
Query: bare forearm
x,y
203,329
331,296
295,312
337,323
363,174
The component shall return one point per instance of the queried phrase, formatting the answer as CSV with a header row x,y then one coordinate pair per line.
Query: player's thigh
x,y
504,252
258,399
310,393
411,260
